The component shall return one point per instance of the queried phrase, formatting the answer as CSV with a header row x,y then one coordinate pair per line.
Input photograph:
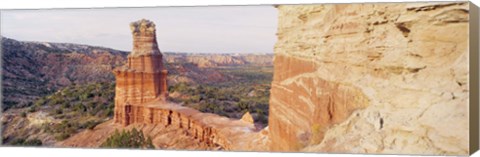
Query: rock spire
x,y
143,79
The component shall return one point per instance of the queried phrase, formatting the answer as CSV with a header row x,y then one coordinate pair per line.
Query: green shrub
x,y
23,114
90,124
128,139
32,109
62,136
24,142
59,111
230,97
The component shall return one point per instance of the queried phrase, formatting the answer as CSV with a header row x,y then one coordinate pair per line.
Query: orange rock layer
x,y
303,108
143,78
382,78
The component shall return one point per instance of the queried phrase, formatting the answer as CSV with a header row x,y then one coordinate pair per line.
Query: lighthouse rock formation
x,y
143,78
141,102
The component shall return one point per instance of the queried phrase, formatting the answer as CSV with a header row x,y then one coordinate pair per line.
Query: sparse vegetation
x,y
250,91
79,107
25,142
37,69
128,139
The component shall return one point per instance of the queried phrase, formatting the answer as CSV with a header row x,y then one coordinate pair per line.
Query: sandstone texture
x,y
389,78
247,117
144,39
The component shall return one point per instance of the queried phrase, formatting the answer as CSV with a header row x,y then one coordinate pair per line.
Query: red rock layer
x,y
143,78
407,62
180,118
303,107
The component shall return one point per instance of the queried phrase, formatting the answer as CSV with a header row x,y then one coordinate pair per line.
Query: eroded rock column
x,y
143,78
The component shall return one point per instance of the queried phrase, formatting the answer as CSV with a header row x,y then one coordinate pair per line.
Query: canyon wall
x,y
371,78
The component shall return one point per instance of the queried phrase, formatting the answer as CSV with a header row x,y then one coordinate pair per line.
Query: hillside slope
x,y
33,69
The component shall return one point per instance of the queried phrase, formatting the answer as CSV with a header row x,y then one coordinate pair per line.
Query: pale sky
x,y
215,29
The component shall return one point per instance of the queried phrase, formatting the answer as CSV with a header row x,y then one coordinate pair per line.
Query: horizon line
x,y
163,51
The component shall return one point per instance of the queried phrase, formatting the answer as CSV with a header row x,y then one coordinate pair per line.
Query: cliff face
x,y
371,78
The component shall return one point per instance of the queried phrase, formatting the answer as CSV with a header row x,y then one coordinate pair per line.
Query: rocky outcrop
x,y
247,117
208,131
371,78
144,39
162,137
144,78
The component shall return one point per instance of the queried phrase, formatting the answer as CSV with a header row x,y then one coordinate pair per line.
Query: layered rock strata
x,y
143,78
371,78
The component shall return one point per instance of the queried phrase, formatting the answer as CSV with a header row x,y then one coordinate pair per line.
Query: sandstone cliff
x,y
371,78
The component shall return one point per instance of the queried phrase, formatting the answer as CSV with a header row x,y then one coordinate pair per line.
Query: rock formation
x,y
209,130
143,79
247,117
141,100
371,78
